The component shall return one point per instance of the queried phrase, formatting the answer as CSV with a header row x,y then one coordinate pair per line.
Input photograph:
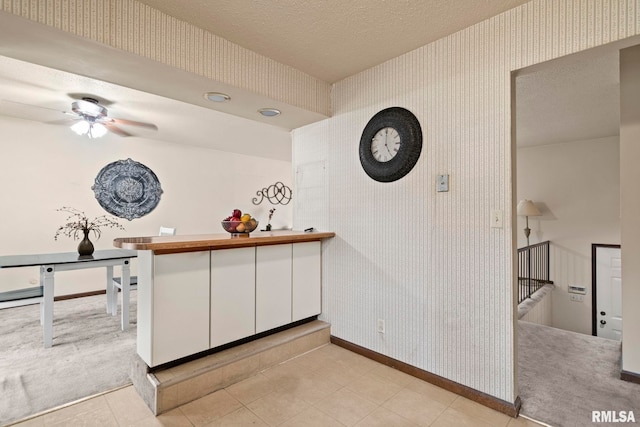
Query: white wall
x,y
576,186
429,263
44,167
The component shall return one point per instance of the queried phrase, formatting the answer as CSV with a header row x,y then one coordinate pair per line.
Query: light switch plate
x,y
442,183
496,218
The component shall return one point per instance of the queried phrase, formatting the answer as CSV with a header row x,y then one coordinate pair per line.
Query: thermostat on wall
x,y
573,289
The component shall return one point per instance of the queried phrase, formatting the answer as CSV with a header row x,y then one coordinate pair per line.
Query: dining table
x,y
50,263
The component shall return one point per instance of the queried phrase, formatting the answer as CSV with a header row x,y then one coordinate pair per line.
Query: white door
x,y
608,293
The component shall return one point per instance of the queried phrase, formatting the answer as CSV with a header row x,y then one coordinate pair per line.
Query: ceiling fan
x,y
90,118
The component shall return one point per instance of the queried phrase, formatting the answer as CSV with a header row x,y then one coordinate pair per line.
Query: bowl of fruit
x,y
239,224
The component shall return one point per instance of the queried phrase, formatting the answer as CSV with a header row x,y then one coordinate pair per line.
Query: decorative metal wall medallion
x,y
127,189
277,193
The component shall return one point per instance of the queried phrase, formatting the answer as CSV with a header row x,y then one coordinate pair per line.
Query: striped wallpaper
x,y
428,263
144,31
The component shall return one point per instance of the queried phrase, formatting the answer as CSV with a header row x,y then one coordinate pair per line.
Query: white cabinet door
x,y
306,280
233,295
273,286
180,295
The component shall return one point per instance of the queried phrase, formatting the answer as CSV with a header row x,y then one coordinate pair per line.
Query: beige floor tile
x,y
101,417
278,407
253,388
287,371
313,360
311,387
383,417
360,365
338,373
523,422
312,417
374,388
431,391
33,422
346,406
127,406
454,418
73,411
174,418
334,352
392,375
481,412
210,407
415,407
239,418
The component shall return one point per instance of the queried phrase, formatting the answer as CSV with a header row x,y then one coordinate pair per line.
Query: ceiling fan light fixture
x,y
269,112
97,130
81,127
92,130
216,97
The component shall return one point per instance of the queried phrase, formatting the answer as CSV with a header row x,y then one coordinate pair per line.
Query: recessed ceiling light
x,y
269,112
216,96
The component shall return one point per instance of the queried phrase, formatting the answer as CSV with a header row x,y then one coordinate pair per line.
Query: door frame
x,y
594,297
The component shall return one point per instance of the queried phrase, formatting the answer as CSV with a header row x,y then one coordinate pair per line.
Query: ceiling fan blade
x,y
28,111
133,123
68,121
115,129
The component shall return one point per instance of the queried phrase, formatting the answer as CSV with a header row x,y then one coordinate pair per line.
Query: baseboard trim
x,y
79,295
632,377
511,409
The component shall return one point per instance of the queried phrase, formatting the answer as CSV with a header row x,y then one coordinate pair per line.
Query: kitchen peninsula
x,y
199,292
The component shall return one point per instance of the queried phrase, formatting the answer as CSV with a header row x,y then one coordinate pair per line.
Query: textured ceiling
x,y
573,98
332,39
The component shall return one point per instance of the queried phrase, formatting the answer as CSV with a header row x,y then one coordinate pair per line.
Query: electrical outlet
x,y
576,298
381,326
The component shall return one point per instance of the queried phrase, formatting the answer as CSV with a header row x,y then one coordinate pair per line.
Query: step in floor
x,y
166,389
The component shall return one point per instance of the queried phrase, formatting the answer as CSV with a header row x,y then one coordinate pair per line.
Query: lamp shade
x,y
527,208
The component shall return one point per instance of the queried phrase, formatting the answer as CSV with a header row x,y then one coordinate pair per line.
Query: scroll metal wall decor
x,y
276,194
127,189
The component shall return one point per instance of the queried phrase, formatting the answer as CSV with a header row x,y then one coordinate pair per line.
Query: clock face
x,y
385,144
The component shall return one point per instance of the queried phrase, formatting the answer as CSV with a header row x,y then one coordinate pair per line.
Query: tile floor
x,y
327,387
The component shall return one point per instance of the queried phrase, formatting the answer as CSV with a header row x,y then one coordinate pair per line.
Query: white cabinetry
x,y
233,294
190,302
175,298
273,286
306,298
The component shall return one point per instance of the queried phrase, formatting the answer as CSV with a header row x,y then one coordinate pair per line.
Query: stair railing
x,y
533,269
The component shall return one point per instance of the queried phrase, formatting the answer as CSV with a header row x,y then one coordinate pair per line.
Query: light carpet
x,y
90,355
563,376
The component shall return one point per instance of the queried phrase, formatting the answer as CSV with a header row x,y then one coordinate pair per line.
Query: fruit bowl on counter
x,y
238,224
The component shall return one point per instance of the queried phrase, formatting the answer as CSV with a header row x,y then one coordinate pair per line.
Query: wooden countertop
x,y
204,242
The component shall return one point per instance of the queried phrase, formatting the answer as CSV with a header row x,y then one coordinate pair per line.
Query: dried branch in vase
x,y
78,223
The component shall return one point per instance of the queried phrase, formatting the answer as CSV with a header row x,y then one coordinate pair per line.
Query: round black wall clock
x,y
390,145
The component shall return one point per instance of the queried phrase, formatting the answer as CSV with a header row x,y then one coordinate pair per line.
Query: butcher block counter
x,y
199,292
199,242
